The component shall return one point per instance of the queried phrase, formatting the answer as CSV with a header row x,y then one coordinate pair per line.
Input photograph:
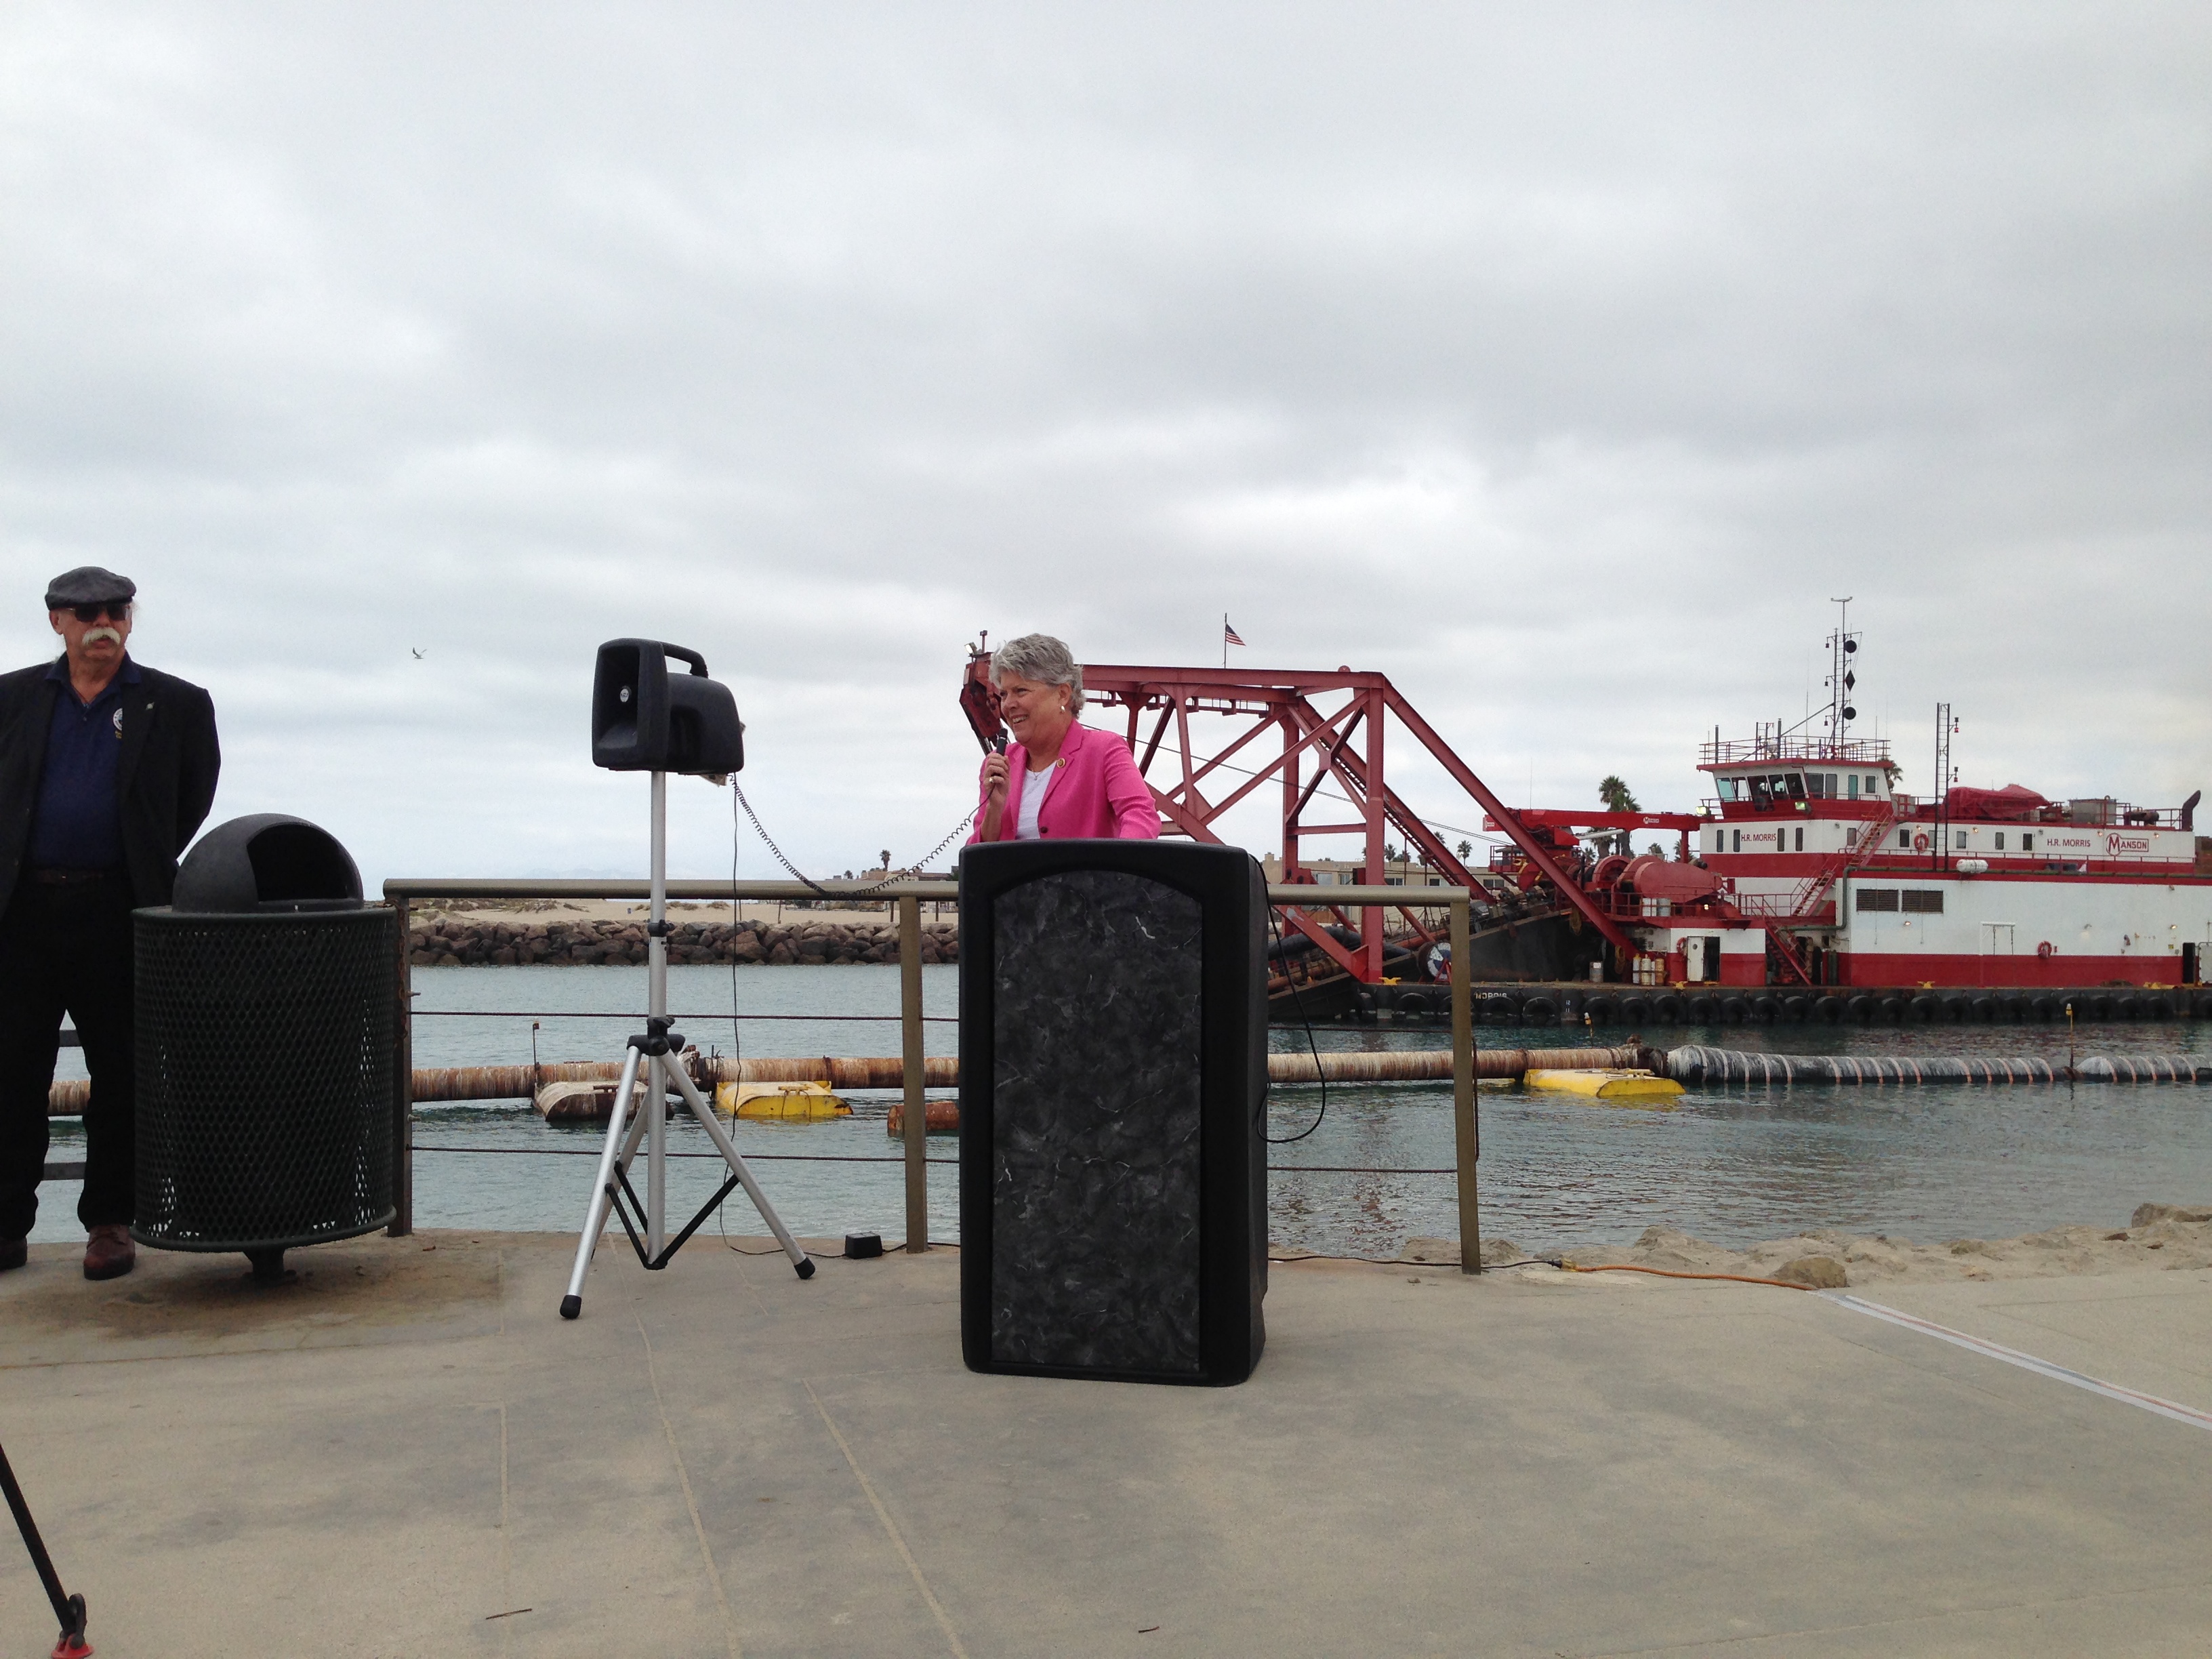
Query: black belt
x,y
72,878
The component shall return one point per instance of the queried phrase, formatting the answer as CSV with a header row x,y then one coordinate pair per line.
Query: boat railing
x,y
1852,751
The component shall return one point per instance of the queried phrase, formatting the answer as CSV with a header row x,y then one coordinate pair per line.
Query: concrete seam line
x,y
898,1542
690,1502
2149,1402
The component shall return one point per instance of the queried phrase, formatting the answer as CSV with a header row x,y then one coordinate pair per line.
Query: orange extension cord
x,y
1663,1273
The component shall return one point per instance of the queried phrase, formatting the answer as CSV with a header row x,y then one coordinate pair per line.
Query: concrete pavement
x,y
406,1452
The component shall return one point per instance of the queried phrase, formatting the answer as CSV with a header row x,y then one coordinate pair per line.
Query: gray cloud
x,y
1561,364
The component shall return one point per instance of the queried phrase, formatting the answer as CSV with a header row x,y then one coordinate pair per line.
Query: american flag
x,y
1228,633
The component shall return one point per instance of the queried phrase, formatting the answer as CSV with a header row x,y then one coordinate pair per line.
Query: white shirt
x,y
1033,788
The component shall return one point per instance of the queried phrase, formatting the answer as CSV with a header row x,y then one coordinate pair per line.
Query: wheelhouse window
x,y
1876,898
1728,786
1854,781
1791,784
1762,792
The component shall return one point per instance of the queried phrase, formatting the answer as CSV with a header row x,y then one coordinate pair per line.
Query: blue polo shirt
x,y
79,822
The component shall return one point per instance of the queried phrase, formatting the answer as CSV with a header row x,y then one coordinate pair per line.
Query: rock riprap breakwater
x,y
457,942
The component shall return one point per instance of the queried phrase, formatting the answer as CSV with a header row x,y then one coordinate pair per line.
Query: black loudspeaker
x,y
1113,1081
646,719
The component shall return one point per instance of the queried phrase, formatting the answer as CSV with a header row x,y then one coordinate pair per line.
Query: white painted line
x,y
2027,1362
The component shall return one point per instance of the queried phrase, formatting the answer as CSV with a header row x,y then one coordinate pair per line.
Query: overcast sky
x,y
1562,363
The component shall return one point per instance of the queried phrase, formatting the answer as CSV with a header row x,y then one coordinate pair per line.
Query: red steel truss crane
x,y
1309,745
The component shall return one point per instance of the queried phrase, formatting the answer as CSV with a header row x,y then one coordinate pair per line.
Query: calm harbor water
x,y
1733,1166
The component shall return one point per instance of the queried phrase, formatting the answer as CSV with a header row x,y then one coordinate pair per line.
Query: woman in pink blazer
x,y
1058,780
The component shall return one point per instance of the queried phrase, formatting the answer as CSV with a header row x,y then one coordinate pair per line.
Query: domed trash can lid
x,y
266,863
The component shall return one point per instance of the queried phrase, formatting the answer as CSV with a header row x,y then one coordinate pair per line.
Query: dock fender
x,y
1794,1009
1862,1008
1829,1011
1667,1007
2202,1008
2157,1006
1953,1010
1539,1011
1732,1012
1927,1009
1635,1011
1893,1010
2045,1007
1603,1011
1985,1010
2092,1007
2126,1007
1702,1010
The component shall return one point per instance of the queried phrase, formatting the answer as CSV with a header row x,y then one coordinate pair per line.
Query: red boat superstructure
x,y
1824,872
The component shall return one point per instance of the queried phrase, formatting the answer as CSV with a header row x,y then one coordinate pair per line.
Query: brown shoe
x,y
13,1253
109,1253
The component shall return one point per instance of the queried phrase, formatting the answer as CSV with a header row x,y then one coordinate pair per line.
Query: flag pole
x,y
1225,639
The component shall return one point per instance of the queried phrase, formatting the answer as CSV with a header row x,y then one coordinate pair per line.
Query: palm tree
x,y
1614,793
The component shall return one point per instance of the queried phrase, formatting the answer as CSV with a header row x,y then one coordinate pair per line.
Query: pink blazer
x,y
1095,791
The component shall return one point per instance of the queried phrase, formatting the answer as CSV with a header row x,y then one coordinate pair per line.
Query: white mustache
x,y
94,636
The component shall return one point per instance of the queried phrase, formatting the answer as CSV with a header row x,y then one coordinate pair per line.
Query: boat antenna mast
x,y
1843,677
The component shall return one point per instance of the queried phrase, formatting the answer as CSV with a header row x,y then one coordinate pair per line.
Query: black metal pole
x,y
69,1609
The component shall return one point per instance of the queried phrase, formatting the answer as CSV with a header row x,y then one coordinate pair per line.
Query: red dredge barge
x,y
1810,866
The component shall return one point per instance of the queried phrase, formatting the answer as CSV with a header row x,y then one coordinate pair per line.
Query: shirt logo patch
x,y
118,723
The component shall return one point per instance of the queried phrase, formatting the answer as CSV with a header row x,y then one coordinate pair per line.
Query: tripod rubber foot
x,y
71,1644
804,1267
571,1306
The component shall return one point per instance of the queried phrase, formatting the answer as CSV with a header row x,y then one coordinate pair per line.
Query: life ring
x,y
1920,842
2045,949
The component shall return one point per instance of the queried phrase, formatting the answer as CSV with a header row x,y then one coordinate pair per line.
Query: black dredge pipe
x,y
1693,1064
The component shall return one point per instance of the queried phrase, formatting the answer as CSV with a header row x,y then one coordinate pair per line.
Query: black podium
x,y
1113,1077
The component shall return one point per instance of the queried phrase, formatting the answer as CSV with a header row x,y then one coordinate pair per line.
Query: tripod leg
x,y
731,1156
69,1609
595,1219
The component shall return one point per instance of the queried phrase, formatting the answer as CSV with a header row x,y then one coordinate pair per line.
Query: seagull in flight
x,y
417,650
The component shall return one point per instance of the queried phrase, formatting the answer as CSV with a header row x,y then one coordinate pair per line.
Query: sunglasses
x,y
112,609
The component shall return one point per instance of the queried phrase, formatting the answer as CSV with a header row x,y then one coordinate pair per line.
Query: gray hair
x,y
1040,657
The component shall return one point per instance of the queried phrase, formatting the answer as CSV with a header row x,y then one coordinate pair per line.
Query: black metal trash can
x,y
266,1066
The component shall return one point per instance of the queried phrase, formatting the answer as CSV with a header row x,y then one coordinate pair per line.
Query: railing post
x,y
1467,1133
403,1084
917,1109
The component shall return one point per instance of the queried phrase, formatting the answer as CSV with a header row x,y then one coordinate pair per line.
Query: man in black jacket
x,y
106,769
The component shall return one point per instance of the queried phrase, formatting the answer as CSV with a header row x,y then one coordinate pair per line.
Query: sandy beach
x,y
2173,1237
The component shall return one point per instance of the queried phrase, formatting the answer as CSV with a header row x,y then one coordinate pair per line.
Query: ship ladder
x,y
1821,882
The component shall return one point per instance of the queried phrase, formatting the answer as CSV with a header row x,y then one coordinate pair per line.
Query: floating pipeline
x,y
1719,1067
943,1072
1587,1005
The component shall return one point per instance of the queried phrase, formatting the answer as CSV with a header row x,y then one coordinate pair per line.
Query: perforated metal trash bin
x,y
266,1066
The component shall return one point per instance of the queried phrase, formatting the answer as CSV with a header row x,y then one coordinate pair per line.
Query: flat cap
x,y
88,584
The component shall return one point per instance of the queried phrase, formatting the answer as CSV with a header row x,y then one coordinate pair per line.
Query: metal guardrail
x,y
907,897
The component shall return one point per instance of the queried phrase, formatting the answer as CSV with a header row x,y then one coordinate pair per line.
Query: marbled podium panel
x,y
1095,1149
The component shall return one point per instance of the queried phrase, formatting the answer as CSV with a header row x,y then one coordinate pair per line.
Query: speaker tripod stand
x,y
656,1056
